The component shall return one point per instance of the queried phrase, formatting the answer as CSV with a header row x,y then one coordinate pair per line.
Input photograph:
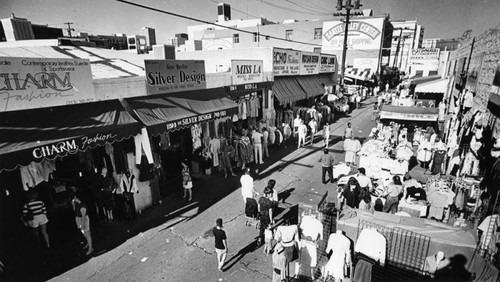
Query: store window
x,y
236,38
317,33
289,34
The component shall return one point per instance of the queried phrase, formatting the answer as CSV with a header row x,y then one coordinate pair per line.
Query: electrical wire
x,y
210,23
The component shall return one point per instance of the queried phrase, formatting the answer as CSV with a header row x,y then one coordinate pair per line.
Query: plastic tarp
x,y
409,113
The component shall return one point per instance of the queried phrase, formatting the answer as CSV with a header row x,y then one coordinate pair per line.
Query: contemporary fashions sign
x,y
167,76
309,63
27,83
363,34
245,71
327,63
286,62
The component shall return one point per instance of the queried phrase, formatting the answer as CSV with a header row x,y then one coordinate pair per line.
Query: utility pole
x,y
69,29
348,6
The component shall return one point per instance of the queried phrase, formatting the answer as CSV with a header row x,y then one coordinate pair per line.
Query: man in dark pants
x,y
327,166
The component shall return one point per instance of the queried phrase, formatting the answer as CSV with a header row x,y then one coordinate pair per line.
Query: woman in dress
x,y
187,182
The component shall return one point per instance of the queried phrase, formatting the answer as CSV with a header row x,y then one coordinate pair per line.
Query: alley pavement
x,y
178,244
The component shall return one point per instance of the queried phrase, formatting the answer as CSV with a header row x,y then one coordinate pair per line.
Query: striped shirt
x,y
35,208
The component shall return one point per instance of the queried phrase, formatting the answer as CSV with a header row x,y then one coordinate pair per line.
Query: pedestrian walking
x,y
348,131
247,186
257,146
265,212
187,181
313,125
326,166
296,123
358,100
279,263
365,187
326,135
35,216
302,134
82,221
265,138
221,248
375,112
268,238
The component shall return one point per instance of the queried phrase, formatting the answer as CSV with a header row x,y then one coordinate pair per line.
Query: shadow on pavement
x,y
241,254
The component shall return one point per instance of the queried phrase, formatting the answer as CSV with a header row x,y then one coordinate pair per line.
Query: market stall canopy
x,y
494,104
434,86
311,85
359,74
162,113
409,113
287,89
420,80
48,133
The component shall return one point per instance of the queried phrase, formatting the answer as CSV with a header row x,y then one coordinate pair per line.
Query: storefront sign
x,y
408,116
167,76
249,86
244,71
309,63
328,63
27,83
363,34
424,54
286,62
72,146
195,119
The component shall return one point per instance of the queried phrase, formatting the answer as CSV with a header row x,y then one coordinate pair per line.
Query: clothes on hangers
x,y
372,244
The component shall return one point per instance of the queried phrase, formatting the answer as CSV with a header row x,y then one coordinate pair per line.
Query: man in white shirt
x,y
247,188
302,134
296,124
363,180
257,146
313,125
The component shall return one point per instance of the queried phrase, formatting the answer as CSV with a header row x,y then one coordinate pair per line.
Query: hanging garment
x,y
142,144
127,184
363,271
351,147
438,162
484,270
215,149
372,244
195,135
340,246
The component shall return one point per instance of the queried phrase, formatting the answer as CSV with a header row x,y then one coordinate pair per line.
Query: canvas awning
x,y
434,86
326,79
359,74
311,85
48,133
425,79
409,113
494,104
286,89
162,113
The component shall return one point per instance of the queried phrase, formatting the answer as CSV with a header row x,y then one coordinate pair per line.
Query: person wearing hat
x,y
220,243
265,208
187,182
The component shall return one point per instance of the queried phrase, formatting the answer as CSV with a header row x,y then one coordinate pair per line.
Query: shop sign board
x,y
408,116
328,63
246,71
27,83
309,64
286,62
424,56
365,34
72,146
197,119
167,76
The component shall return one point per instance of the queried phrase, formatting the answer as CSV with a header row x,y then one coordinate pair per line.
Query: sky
x,y
440,18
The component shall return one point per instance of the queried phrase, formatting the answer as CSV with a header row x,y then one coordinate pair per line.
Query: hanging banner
x,y
246,71
286,62
328,63
365,34
27,83
167,76
309,63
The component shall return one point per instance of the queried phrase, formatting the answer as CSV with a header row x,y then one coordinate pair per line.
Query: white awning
x,y
435,86
359,74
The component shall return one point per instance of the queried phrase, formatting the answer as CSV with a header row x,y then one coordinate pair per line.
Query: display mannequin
x,y
340,246
311,229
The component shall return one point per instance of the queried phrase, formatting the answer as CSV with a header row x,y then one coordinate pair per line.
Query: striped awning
x,y
286,89
364,74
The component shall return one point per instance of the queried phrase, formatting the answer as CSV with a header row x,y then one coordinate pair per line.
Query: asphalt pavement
x,y
179,245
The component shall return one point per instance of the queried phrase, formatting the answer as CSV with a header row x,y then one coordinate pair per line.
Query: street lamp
x,y
348,6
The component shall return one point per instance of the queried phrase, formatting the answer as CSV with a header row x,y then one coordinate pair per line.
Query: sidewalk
x,y
167,236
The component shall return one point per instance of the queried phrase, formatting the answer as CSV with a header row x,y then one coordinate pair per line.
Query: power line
x,y
214,24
